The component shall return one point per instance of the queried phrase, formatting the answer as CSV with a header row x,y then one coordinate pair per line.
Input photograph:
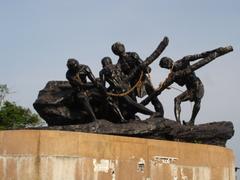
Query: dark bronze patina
x,y
130,61
182,73
97,105
113,96
77,76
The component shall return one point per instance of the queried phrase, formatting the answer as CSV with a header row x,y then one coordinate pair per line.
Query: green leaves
x,y
13,116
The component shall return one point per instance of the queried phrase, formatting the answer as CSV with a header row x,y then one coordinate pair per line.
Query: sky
x,y
37,38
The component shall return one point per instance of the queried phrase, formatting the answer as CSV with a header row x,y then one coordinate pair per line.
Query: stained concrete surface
x,y
56,155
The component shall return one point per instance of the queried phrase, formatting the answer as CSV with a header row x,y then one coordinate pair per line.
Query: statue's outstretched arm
x,y
215,54
156,53
205,54
102,78
90,75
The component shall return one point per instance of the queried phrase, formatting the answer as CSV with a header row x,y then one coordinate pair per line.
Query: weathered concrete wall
x,y
59,155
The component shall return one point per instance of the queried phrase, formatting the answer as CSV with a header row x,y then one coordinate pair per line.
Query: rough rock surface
x,y
56,106
215,133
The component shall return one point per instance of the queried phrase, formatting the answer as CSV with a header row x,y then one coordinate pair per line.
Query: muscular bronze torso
x,y
190,80
78,78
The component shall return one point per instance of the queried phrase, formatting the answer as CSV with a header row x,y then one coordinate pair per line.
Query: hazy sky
x,y
37,38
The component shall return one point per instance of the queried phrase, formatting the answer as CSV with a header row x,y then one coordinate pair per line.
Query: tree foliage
x,y
13,116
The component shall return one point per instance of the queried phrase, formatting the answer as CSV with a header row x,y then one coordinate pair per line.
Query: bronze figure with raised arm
x,y
182,73
130,61
118,90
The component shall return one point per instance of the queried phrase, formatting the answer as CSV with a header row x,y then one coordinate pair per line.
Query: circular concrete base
x,y
41,154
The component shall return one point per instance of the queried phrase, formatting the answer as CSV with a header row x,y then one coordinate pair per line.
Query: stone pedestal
x,y
62,155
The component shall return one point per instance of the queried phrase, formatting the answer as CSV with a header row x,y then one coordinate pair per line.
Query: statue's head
x,y
118,48
106,61
72,64
166,62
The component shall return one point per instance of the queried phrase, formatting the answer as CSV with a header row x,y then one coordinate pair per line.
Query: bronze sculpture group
x,y
116,90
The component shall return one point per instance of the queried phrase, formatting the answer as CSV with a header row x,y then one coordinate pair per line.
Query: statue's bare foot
x,y
179,122
124,121
190,123
137,118
156,115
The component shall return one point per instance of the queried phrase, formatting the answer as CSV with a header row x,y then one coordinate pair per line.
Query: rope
x,y
130,90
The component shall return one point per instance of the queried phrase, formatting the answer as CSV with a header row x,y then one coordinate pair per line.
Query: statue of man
x,y
118,84
106,61
77,75
195,89
182,73
128,61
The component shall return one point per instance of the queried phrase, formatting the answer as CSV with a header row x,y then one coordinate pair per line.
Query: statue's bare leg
x,y
197,95
89,110
185,96
136,106
116,110
155,101
195,111
85,102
